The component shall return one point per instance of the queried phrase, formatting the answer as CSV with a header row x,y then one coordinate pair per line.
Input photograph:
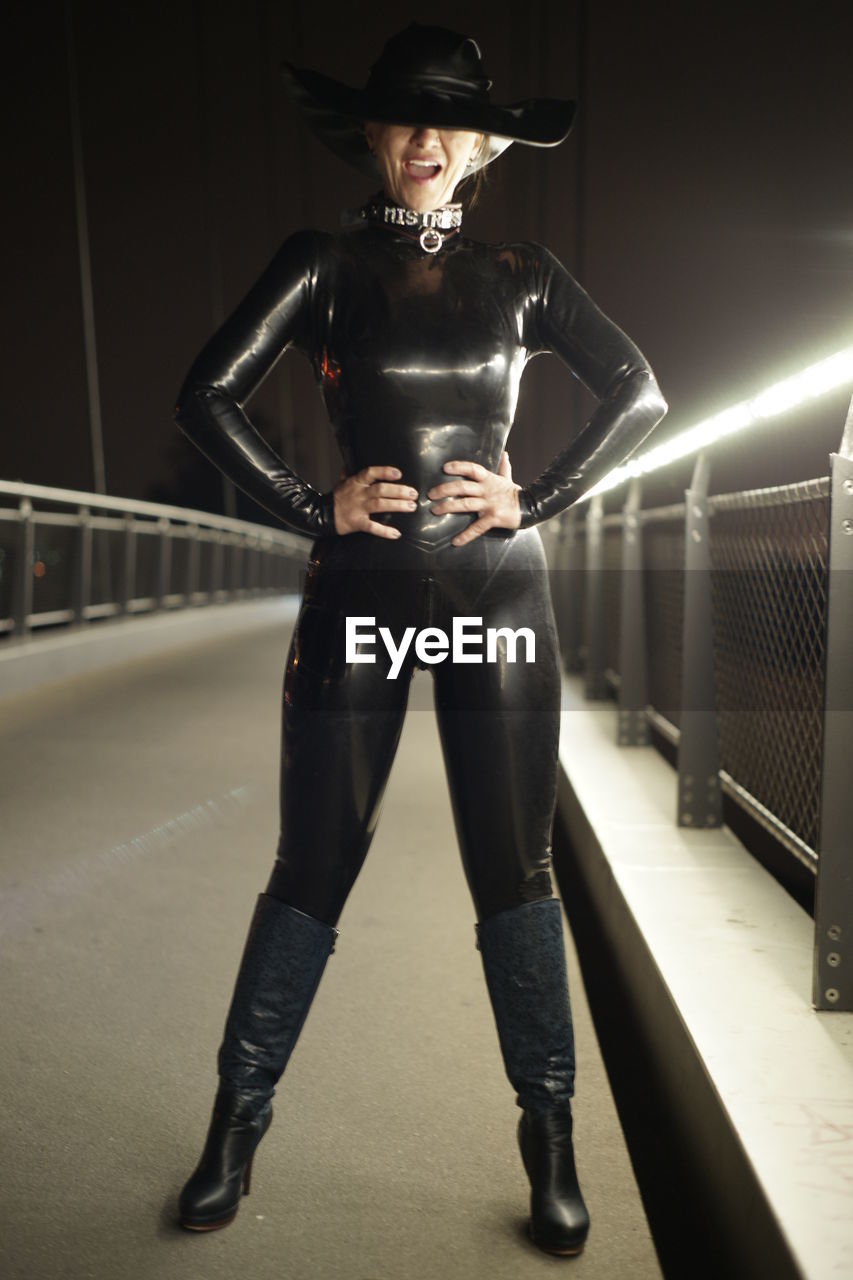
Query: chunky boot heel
x,y
212,1195
283,960
525,966
559,1222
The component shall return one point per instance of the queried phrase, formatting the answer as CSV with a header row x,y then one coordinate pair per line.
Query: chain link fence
x,y
769,567
736,650
769,557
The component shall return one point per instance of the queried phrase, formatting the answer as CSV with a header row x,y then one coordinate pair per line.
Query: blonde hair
x,y
475,181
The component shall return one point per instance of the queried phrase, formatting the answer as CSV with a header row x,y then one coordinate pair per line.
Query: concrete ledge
x,y
62,655
716,959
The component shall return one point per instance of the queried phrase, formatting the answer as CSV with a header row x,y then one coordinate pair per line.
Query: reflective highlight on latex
x,y
419,359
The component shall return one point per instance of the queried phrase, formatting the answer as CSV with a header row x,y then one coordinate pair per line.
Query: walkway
x,y
139,819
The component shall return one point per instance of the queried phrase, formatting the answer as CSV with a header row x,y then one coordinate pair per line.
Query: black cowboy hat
x,y
428,76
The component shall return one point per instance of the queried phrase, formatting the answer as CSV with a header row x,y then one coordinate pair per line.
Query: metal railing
x,y
725,623
69,557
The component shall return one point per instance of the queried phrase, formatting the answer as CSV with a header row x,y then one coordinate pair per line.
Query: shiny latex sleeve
x,y
418,359
232,366
567,322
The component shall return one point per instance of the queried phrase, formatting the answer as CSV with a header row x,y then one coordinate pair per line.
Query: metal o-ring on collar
x,y
430,240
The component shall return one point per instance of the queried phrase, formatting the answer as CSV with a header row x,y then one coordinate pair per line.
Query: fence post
x,y
217,567
234,570
164,572
82,592
553,542
633,682
833,952
127,586
26,541
266,563
254,567
595,686
571,593
699,796
193,561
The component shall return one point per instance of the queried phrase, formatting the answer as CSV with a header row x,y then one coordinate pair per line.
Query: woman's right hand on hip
x,y
366,493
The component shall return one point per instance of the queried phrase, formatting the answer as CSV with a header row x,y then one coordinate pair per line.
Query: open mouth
x,y
422,170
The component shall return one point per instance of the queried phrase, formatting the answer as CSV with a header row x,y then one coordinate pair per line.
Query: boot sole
x,y
553,1250
207,1226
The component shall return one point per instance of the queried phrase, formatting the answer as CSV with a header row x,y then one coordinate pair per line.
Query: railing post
x,y
127,588
217,565
699,796
552,540
26,541
238,567
164,571
833,952
82,590
231,574
568,597
575,593
254,566
595,685
633,682
193,561
264,566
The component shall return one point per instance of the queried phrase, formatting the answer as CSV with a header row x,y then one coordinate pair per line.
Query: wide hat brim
x,y
336,113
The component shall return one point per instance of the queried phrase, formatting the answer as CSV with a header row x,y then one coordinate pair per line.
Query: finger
x,y
382,489
455,489
458,505
382,530
473,531
389,504
505,466
463,468
368,474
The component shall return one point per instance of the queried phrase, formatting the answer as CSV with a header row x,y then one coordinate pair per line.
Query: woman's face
x,y
420,165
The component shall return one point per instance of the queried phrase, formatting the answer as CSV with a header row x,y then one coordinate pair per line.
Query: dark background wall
x,y
704,199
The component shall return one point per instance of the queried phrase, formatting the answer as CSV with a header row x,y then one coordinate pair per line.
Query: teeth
x,y
426,164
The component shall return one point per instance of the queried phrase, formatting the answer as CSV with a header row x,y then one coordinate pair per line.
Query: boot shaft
x,y
281,967
524,960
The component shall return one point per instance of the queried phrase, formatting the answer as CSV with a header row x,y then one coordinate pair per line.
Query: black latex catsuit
x,y
419,359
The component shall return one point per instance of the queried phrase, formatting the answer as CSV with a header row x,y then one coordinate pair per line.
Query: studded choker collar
x,y
429,229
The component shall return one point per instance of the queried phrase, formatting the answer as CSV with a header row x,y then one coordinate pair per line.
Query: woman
x,y
418,337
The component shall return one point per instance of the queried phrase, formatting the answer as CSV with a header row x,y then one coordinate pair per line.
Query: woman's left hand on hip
x,y
492,494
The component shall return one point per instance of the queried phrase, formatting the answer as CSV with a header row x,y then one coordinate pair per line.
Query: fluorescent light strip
x,y
810,383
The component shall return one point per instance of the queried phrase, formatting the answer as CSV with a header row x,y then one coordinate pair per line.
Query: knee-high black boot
x,y
283,960
525,965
